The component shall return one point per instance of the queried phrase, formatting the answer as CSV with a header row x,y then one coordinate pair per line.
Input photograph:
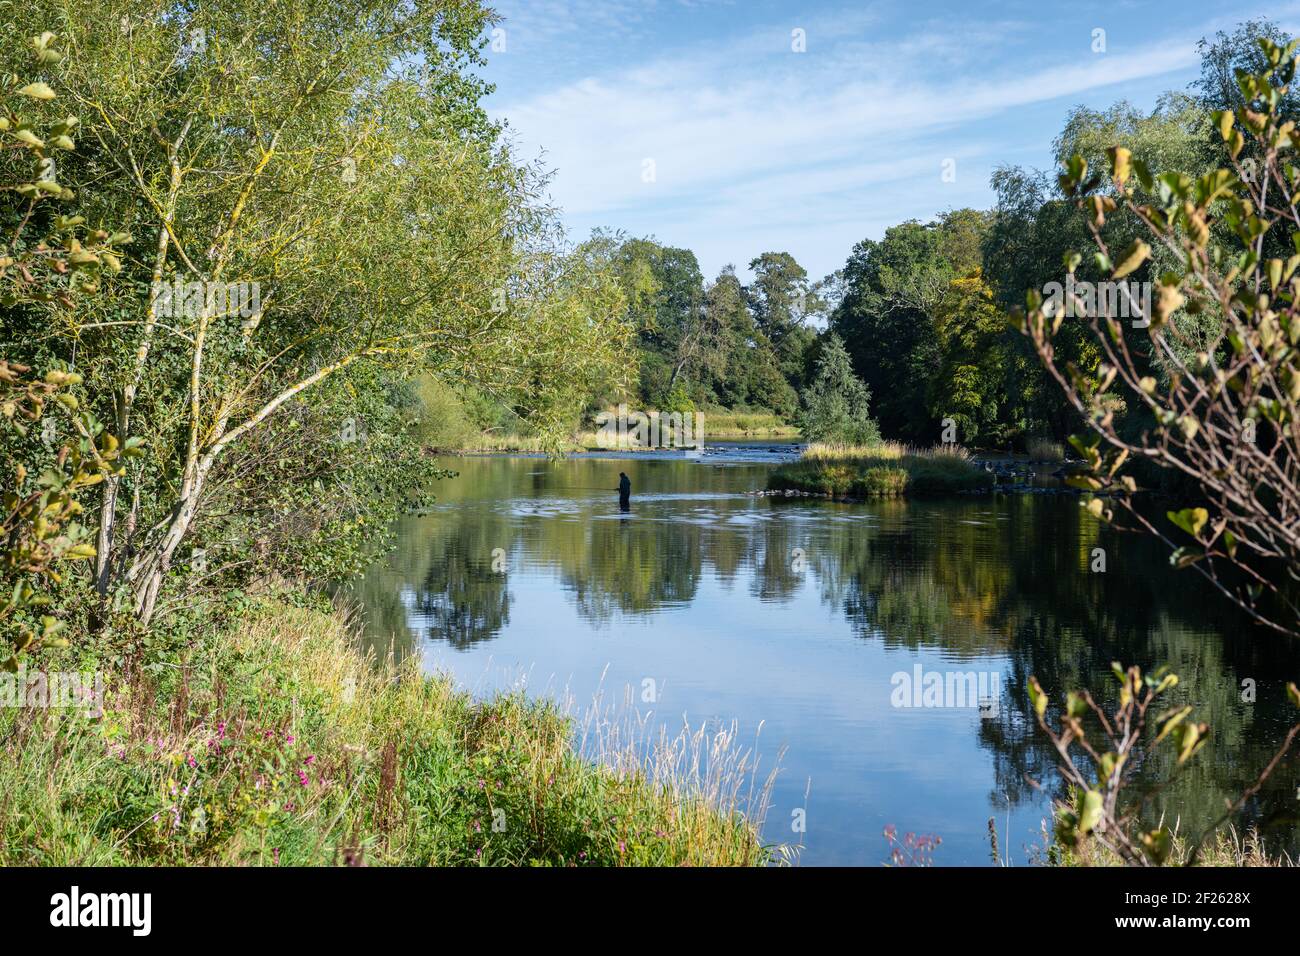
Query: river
x,y
808,618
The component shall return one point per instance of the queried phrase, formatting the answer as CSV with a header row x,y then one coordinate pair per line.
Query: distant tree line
x,y
922,311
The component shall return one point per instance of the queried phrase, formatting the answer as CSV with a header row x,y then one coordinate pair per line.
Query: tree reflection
x,y
1005,580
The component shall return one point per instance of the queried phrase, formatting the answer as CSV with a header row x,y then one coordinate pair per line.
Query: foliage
x,y
39,525
65,258
277,743
721,343
375,224
886,316
880,471
45,473
973,385
836,406
1098,808
1222,411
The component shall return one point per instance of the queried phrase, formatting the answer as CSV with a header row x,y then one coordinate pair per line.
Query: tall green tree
x,y
885,320
781,298
836,406
334,157
977,350
752,375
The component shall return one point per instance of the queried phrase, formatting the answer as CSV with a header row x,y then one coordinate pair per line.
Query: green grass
x,y
887,470
510,442
276,742
719,425
1225,847
724,423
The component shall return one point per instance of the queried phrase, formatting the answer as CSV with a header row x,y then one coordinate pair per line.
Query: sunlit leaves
x,y
1191,520
1137,254
1037,697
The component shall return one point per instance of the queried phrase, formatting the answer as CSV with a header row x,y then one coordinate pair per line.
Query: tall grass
x,y
1044,449
719,425
725,423
700,771
276,742
889,469
1225,847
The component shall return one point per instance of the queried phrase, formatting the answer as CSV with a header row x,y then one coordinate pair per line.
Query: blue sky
x,y
756,147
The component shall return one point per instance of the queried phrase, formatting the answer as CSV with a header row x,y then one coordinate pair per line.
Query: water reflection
x,y
536,555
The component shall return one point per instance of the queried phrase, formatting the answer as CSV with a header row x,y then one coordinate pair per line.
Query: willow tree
x,y
310,184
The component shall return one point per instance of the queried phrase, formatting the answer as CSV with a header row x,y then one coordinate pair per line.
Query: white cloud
x,y
747,137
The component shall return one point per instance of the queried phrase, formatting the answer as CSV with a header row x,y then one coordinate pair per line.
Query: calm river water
x,y
804,616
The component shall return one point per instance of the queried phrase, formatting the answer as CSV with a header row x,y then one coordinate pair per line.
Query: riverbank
x,y
888,470
722,425
275,742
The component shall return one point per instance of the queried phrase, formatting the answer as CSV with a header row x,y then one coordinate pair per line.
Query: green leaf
x,y
1190,738
1075,705
1090,816
1137,254
1157,844
1168,721
1036,697
1119,163
1106,767
1191,520
1230,543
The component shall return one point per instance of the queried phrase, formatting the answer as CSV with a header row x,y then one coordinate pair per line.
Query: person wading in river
x,y
624,492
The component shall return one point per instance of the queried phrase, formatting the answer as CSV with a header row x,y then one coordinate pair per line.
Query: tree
x,y
1223,413
836,407
885,320
750,376
976,359
961,238
332,160
1036,228
664,290
781,298
1227,54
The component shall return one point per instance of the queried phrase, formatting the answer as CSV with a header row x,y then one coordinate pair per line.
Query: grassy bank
x,y
724,424
275,742
880,471
1226,847
719,425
